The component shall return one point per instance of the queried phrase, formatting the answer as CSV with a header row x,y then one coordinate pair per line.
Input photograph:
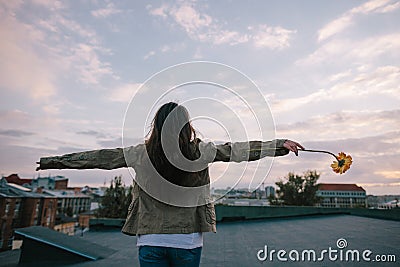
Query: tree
x,y
116,200
298,190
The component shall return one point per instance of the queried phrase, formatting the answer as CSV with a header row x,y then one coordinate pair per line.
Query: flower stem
x,y
320,151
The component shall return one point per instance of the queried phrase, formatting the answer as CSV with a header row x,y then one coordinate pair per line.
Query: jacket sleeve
x,y
249,151
96,159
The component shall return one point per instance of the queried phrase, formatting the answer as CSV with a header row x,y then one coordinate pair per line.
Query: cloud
x,y
25,122
46,49
63,23
49,4
374,6
14,117
117,142
389,174
149,55
198,54
165,49
11,6
345,124
78,48
383,80
347,19
389,8
161,11
15,133
201,27
52,108
89,64
226,37
367,147
124,93
334,27
92,133
191,20
109,10
340,76
353,52
272,37
20,159
21,68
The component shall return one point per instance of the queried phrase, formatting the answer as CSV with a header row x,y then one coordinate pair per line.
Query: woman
x,y
168,224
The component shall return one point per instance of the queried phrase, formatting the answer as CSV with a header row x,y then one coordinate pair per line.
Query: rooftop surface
x,y
237,243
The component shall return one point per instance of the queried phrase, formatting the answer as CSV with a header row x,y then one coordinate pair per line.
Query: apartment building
x,y
20,207
341,195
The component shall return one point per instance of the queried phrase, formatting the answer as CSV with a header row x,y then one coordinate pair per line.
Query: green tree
x,y
116,200
298,190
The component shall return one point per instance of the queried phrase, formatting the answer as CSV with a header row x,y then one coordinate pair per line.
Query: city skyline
x,y
329,72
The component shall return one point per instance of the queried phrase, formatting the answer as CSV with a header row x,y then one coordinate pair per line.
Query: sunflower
x,y
342,164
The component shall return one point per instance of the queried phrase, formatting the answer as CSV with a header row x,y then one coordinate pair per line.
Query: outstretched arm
x,y
96,159
254,150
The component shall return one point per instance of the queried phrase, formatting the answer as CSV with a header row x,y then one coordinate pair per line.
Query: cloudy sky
x,y
328,69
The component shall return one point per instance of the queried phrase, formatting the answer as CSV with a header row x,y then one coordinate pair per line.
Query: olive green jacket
x,y
151,211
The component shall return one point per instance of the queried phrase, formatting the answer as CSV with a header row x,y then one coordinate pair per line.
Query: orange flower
x,y
343,163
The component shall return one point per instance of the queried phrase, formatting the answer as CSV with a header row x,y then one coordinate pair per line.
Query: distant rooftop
x,y
19,187
237,243
340,187
57,177
14,190
64,193
14,178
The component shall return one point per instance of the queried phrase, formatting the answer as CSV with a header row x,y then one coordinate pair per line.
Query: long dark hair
x,y
178,126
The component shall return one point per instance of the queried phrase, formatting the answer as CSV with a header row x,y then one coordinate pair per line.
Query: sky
x,y
327,71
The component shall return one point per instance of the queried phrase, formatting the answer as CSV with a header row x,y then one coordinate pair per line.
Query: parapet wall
x,y
232,213
227,213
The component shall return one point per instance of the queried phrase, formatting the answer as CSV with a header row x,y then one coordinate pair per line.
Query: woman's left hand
x,y
293,146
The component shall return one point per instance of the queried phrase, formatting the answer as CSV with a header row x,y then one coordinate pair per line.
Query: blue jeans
x,y
151,256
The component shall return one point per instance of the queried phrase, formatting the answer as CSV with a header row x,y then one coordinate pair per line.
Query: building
x,y
66,224
341,195
84,218
14,178
70,202
383,202
95,193
20,207
270,191
393,204
51,182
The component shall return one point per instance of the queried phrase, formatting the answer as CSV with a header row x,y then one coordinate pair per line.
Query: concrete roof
x,y
237,243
